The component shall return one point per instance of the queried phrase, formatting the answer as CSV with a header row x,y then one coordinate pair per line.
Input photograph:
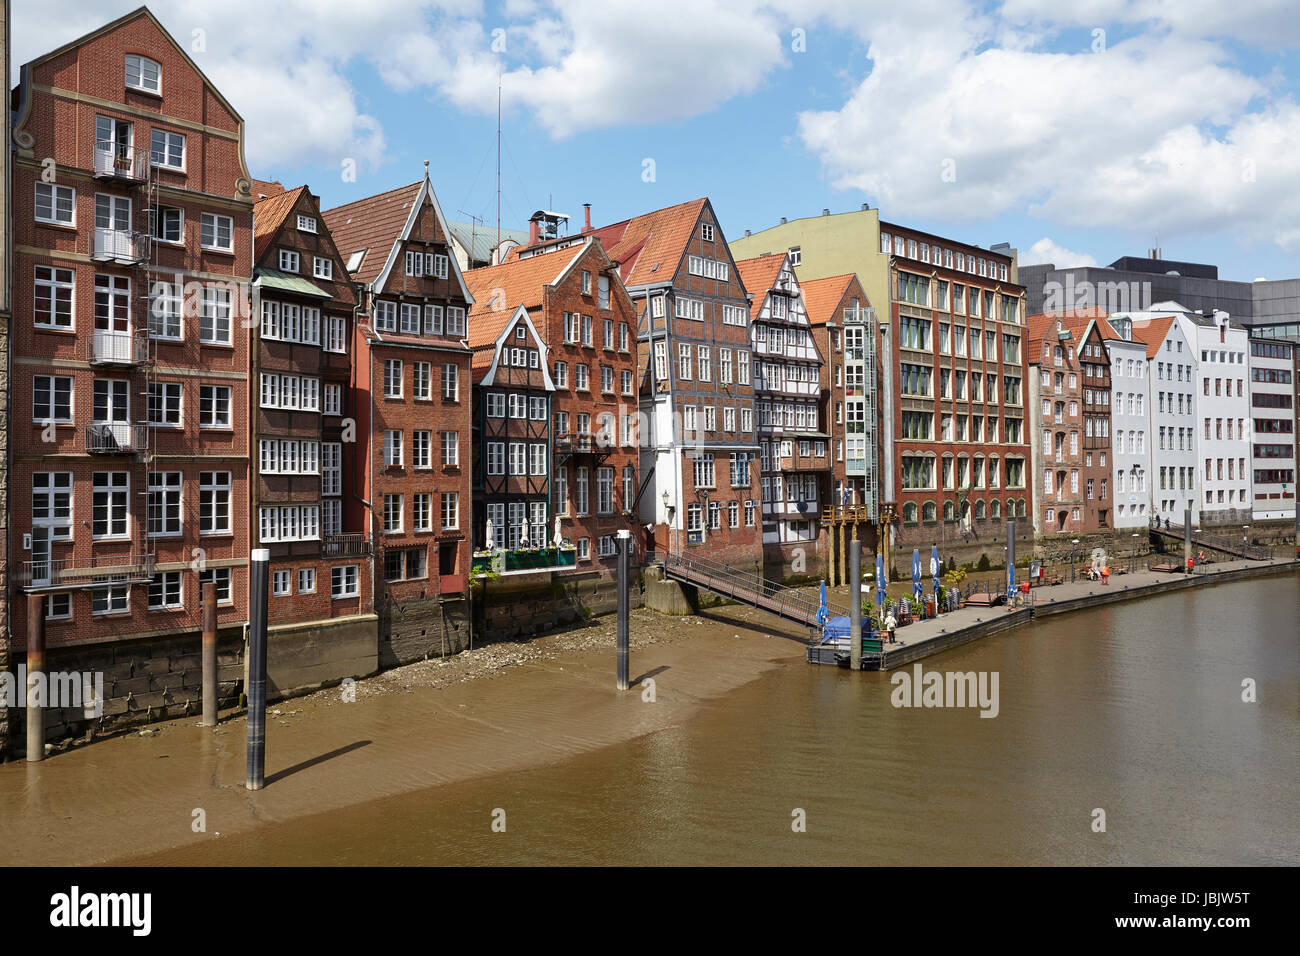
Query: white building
x,y
1221,348
1130,416
1171,416
1273,452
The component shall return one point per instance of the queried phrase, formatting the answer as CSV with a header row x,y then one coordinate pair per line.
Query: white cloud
x,y
1047,251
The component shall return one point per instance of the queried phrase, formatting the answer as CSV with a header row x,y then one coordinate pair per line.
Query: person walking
x,y
891,623
1105,574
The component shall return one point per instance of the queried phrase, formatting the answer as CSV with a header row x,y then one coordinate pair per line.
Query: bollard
x,y
855,604
258,580
624,542
209,602
36,678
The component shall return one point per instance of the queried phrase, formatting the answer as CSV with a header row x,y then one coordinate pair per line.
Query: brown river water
x,y
1135,709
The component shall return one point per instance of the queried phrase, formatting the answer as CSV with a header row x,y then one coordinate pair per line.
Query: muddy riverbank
x,y
502,707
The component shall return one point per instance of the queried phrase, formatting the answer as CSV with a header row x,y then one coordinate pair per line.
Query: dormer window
x,y
143,74
306,224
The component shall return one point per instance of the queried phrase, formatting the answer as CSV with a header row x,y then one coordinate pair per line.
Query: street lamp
x,y
1072,544
1245,537
1133,553
668,517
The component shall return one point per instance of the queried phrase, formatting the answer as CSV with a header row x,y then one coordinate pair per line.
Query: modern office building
x,y
1267,307
1273,424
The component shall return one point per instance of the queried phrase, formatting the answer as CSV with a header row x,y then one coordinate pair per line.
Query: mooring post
x,y
624,543
209,603
1011,560
258,579
855,604
1187,540
37,686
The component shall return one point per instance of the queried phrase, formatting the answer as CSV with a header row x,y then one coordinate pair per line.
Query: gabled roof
x,y
1152,333
497,290
265,189
127,18
269,215
649,248
758,275
487,347
821,297
373,224
1078,321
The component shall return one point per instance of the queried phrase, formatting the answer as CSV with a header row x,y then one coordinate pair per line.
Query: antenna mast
x,y
498,158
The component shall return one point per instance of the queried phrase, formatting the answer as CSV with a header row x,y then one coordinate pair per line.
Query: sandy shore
x,y
503,707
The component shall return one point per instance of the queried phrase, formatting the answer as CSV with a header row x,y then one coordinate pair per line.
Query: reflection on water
x,y
1135,709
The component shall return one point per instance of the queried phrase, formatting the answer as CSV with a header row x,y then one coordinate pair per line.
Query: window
x,y
111,507
53,298
581,497
167,223
604,490
322,268
52,503
580,377
165,404
52,399
143,74
214,502
165,591
216,232
392,513
214,318
450,510
56,204
392,378
706,231
164,503
333,400
421,511
537,459
280,583
112,600
392,448
167,149
451,449
344,581
450,382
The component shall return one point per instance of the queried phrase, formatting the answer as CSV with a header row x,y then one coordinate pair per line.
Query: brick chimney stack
x,y
586,218
532,231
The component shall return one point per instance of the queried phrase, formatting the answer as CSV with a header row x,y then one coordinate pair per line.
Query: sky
x,y
1076,130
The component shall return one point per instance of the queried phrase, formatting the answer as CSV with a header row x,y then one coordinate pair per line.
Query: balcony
x,y
116,438
118,348
354,544
120,246
122,163
85,571
524,560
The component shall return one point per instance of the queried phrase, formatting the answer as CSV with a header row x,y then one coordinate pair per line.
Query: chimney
x,y
866,206
746,233
1154,253
826,212
532,232
586,218
783,220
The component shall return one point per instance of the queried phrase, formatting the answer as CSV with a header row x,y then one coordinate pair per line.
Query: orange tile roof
x,y
1152,333
374,224
822,296
649,247
520,282
265,189
269,215
758,275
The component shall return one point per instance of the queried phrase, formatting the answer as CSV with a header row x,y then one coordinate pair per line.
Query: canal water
x,y
1135,711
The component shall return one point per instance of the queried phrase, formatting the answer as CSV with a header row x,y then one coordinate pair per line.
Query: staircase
x,y
1217,542
748,588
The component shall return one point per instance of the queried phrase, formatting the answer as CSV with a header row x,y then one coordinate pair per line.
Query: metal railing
x,y
118,348
1218,542
119,161
85,571
116,438
346,545
749,588
118,245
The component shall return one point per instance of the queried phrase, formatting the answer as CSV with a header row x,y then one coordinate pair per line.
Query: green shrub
x,y
984,563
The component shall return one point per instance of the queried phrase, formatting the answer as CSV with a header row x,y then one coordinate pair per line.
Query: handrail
x,y
751,588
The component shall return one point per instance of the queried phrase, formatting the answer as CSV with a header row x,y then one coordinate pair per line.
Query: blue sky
x,y
1075,131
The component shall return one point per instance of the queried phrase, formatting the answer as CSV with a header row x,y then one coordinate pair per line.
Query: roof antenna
x,y
498,157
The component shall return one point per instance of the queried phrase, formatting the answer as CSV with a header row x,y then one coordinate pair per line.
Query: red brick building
x,y
306,462
584,316
957,365
414,397
699,447
133,247
793,442
1069,366
838,310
